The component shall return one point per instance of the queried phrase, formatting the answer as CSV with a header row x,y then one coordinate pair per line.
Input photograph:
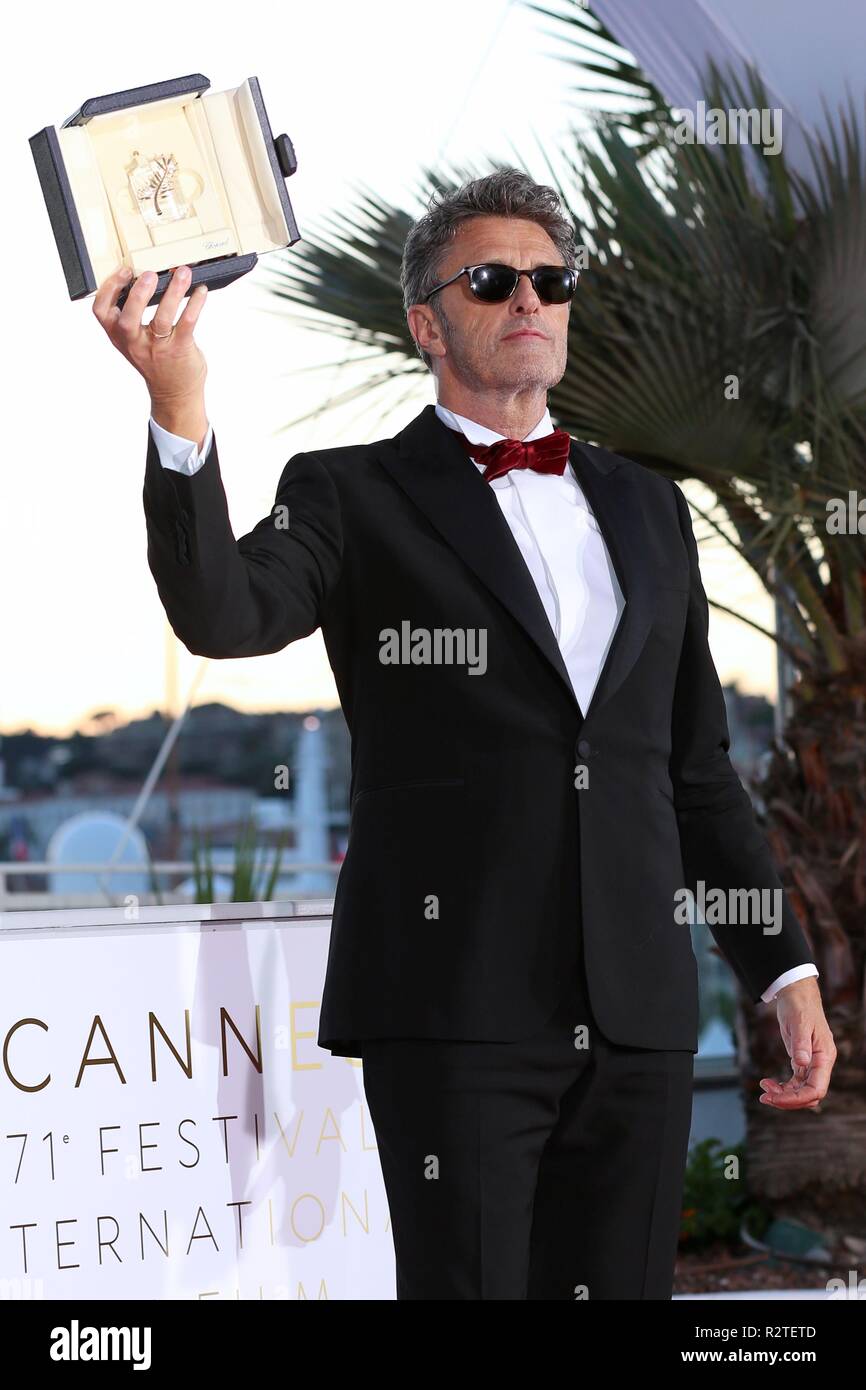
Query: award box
x,y
164,175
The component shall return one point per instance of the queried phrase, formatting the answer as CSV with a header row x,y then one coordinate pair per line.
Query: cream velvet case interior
x,y
165,175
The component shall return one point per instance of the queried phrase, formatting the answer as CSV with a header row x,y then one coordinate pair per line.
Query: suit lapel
x,y
611,492
435,472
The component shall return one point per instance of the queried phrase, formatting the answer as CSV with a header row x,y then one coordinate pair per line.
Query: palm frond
x,y
721,322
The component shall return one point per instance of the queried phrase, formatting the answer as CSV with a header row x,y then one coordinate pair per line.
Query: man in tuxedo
x,y
518,634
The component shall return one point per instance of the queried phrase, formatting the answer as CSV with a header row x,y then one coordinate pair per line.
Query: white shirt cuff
x,y
799,972
178,453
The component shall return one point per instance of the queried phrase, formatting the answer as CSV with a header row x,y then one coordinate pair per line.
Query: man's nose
x,y
524,296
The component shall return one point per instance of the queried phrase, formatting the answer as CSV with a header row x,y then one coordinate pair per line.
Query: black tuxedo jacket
x,y
474,864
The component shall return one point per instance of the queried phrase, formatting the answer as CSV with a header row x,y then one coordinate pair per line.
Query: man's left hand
x,y
809,1043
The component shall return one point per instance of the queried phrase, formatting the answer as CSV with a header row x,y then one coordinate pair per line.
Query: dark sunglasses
x,y
492,282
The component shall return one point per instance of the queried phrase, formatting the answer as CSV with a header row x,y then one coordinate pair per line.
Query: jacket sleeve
x,y
228,598
720,839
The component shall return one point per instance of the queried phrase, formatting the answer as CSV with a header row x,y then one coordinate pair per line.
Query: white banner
x,y
170,1129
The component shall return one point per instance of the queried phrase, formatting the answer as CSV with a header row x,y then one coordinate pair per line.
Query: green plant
x,y
250,883
715,1204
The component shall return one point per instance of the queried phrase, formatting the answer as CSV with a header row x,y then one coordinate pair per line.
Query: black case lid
x,y
138,96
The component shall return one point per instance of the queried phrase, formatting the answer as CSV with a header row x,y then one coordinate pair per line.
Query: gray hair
x,y
505,193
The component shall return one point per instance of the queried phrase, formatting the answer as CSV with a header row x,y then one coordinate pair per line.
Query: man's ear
x,y
424,327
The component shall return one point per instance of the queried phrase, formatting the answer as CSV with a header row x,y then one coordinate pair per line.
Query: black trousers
x,y
548,1168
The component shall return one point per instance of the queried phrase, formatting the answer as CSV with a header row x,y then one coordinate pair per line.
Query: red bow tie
x,y
549,454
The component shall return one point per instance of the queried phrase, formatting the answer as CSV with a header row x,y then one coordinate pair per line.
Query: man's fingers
x,y
129,318
175,290
807,1098
104,301
187,321
136,302
796,1094
819,1075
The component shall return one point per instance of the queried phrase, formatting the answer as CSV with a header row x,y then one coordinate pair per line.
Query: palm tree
x,y
719,334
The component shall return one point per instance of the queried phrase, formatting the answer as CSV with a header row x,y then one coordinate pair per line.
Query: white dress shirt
x,y
561,545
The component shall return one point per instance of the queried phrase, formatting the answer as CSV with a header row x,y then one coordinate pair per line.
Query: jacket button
x,y
181,544
584,747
